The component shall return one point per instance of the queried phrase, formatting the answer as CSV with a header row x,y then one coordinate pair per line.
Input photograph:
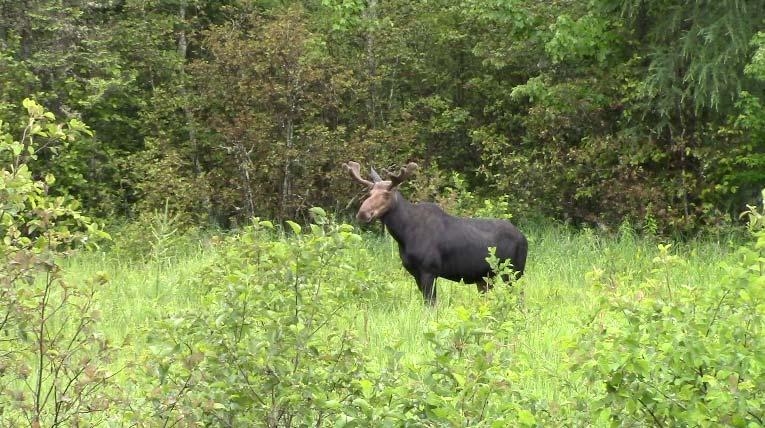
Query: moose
x,y
431,242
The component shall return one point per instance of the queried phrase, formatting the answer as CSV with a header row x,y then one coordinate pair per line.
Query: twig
x,y
650,412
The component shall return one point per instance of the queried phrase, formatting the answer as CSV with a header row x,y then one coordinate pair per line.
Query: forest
x,y
586,111
178,244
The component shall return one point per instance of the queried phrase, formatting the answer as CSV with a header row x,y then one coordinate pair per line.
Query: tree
x,y
271,107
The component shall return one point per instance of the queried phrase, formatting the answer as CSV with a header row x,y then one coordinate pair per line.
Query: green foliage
x,y
756,68
738,172
344,15
59,54
585,38
696,50
588,111
459,200
470,380
272,343
53,368
681,354
265,349
737,165
277,143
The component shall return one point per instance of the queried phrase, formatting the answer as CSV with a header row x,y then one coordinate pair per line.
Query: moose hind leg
x,y
426,283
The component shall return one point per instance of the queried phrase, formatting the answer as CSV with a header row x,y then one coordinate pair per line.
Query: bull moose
x,y
431,242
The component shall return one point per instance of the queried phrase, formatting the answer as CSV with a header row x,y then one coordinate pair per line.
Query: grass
x,y
557,295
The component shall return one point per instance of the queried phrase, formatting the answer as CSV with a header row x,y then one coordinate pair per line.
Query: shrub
x,y
473,377
52,359
459,200
679,354
265,345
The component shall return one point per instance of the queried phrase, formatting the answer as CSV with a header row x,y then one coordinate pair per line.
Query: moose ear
x,y
375,176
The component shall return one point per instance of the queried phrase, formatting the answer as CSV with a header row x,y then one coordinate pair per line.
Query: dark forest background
x,y
590,111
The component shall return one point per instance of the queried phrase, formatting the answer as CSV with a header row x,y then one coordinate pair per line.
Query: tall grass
x,y
557,298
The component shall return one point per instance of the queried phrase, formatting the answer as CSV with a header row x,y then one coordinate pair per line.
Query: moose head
x,y
382,193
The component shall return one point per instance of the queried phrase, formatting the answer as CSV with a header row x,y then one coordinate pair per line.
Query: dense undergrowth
x,y
319,325
323,327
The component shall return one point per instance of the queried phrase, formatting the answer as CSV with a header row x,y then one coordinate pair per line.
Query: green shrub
x,y
264,348
53,362
459,200
680,354
474,377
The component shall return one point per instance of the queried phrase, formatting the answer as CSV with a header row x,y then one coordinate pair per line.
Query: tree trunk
x,y
287,178
244,170
183,47
370,14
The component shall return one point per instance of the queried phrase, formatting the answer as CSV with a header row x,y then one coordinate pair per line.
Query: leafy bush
x,y
459,200
676,354
53,362
468,382
473,378
264,346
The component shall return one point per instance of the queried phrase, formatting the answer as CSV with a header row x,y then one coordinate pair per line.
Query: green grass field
x,y
557,297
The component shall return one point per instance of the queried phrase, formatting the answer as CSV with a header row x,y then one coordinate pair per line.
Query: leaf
x,y
316,230
366,387
16,148
526,418
459,378
332,404
79,126
318,212
295,227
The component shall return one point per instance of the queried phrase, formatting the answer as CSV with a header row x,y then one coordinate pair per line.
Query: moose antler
x,y
355,170
402,176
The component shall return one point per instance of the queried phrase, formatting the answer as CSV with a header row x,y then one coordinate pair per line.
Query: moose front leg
x,y
426,284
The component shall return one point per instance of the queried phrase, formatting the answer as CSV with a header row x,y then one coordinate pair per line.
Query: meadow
x,y
530,330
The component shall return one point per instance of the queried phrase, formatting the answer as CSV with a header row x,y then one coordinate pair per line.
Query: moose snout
x,y
364,216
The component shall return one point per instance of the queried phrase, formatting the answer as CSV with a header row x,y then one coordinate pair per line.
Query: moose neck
x,y
398,218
